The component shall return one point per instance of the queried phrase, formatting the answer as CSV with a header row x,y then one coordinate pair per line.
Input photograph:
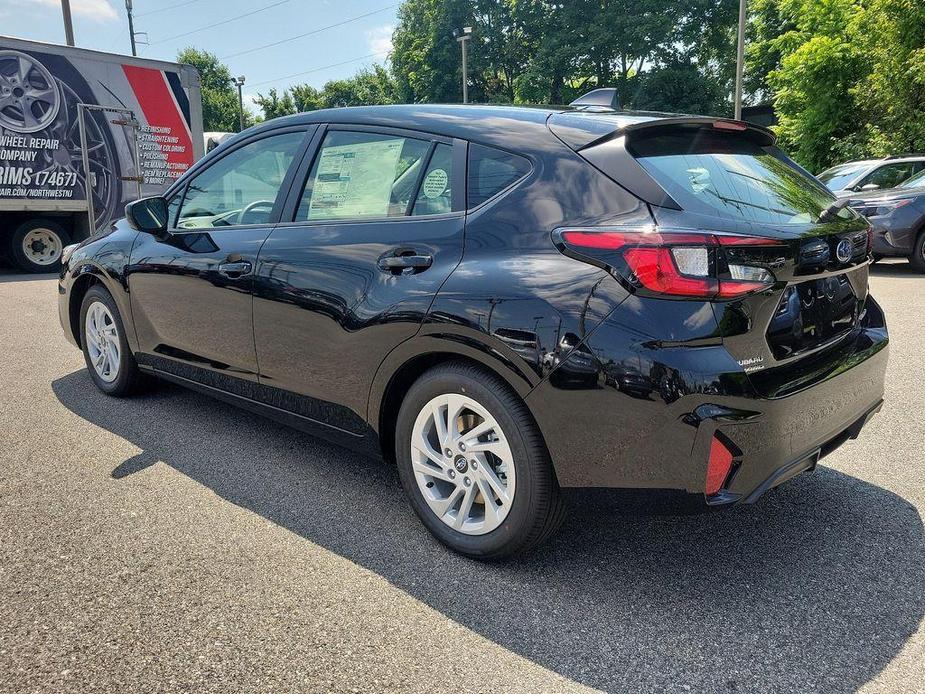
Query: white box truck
x,y
74,120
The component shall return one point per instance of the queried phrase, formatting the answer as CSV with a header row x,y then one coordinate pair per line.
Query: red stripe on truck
x,y
167,126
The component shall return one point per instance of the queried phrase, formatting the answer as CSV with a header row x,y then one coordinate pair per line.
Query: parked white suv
x,y
872,174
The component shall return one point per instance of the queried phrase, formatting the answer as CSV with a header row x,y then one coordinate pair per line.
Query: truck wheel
x,y
36,245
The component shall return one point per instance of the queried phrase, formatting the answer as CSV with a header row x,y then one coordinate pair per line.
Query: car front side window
x,y
241,187
889,175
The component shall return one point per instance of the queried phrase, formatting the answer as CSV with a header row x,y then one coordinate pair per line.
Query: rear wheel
x,y
106,351
917,259
36,245
473,464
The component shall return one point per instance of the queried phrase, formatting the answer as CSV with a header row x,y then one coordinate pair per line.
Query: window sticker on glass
x,y
349,181
434,184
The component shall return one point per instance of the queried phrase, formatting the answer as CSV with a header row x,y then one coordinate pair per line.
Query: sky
x,y
171,25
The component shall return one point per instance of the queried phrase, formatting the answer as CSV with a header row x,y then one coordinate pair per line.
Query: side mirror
x,y
147,214
870,186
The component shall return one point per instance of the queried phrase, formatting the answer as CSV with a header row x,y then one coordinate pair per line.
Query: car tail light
x,y
718,467
672,263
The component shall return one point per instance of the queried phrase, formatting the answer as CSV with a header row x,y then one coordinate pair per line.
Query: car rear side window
x,y
731,175
365,175
435,195
491,171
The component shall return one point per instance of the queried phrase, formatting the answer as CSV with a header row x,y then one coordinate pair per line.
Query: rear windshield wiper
x,y
831,212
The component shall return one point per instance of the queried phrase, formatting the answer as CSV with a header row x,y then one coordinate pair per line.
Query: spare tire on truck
x,y
36,245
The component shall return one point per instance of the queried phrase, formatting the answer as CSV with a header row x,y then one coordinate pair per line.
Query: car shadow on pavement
x,y
8,275
895,268
815,588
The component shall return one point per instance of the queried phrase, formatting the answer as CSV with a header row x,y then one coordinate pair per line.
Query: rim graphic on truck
x,y
29,98
100,151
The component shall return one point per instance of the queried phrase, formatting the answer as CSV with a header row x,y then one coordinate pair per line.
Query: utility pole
x,y
740,61
462,38
131,25
68,25
239,83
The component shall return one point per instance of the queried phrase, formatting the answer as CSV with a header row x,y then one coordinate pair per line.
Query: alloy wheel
x,y
462,464
102,341
29,99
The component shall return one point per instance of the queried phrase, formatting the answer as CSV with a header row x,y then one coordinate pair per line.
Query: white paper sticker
x,y
434,183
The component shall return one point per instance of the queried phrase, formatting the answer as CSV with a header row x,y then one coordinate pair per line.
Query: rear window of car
x,y
490,171
731,175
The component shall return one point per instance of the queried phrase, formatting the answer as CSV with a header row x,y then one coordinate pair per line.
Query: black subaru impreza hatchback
x,y
504,301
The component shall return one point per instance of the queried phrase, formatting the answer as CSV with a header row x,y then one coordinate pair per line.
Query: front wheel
x,y
106,351
917,259
473,464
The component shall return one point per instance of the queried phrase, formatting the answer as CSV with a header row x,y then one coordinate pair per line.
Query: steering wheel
x,y
250,207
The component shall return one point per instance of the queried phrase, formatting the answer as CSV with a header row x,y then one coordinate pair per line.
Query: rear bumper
x,y
600,436
803,463
790,434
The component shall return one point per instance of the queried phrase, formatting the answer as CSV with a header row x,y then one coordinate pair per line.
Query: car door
x,y
373,227
191,287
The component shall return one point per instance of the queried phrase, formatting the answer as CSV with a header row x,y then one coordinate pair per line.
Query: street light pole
x,y
239,82
462,37
740,61
131,25
68,25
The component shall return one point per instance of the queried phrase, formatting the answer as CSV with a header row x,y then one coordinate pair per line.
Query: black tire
x,y
128,379
537,509
27,260
917,259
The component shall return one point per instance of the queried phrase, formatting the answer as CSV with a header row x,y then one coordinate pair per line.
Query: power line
x,y
308,33
217,24
319,69
164,9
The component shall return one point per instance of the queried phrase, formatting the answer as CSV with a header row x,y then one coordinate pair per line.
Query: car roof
x,y
500,125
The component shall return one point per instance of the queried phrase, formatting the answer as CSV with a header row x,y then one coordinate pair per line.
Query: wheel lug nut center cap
x,y
461,464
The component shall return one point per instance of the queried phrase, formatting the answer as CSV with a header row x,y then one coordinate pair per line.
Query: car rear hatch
x,y
728,178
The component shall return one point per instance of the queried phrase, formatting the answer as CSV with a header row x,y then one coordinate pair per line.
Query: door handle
x,y
405,264
237,269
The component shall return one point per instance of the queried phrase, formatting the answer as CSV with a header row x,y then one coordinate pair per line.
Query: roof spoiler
x,y
604,99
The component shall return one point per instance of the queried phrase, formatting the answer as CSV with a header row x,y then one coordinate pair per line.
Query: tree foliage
x,y
548,51
372,86
846,76
219,96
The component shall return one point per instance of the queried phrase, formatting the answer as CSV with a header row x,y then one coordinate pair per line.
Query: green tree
x,y
847,77
680,88
425,57
275,104
367,87
219,96
306,98
892,97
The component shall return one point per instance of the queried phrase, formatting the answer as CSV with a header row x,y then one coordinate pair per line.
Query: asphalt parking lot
x,y
172,543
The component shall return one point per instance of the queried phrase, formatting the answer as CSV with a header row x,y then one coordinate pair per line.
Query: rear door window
x,y
359,175
730,175
491,171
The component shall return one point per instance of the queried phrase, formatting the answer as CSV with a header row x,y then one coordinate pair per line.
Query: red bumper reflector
x,y
718,467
